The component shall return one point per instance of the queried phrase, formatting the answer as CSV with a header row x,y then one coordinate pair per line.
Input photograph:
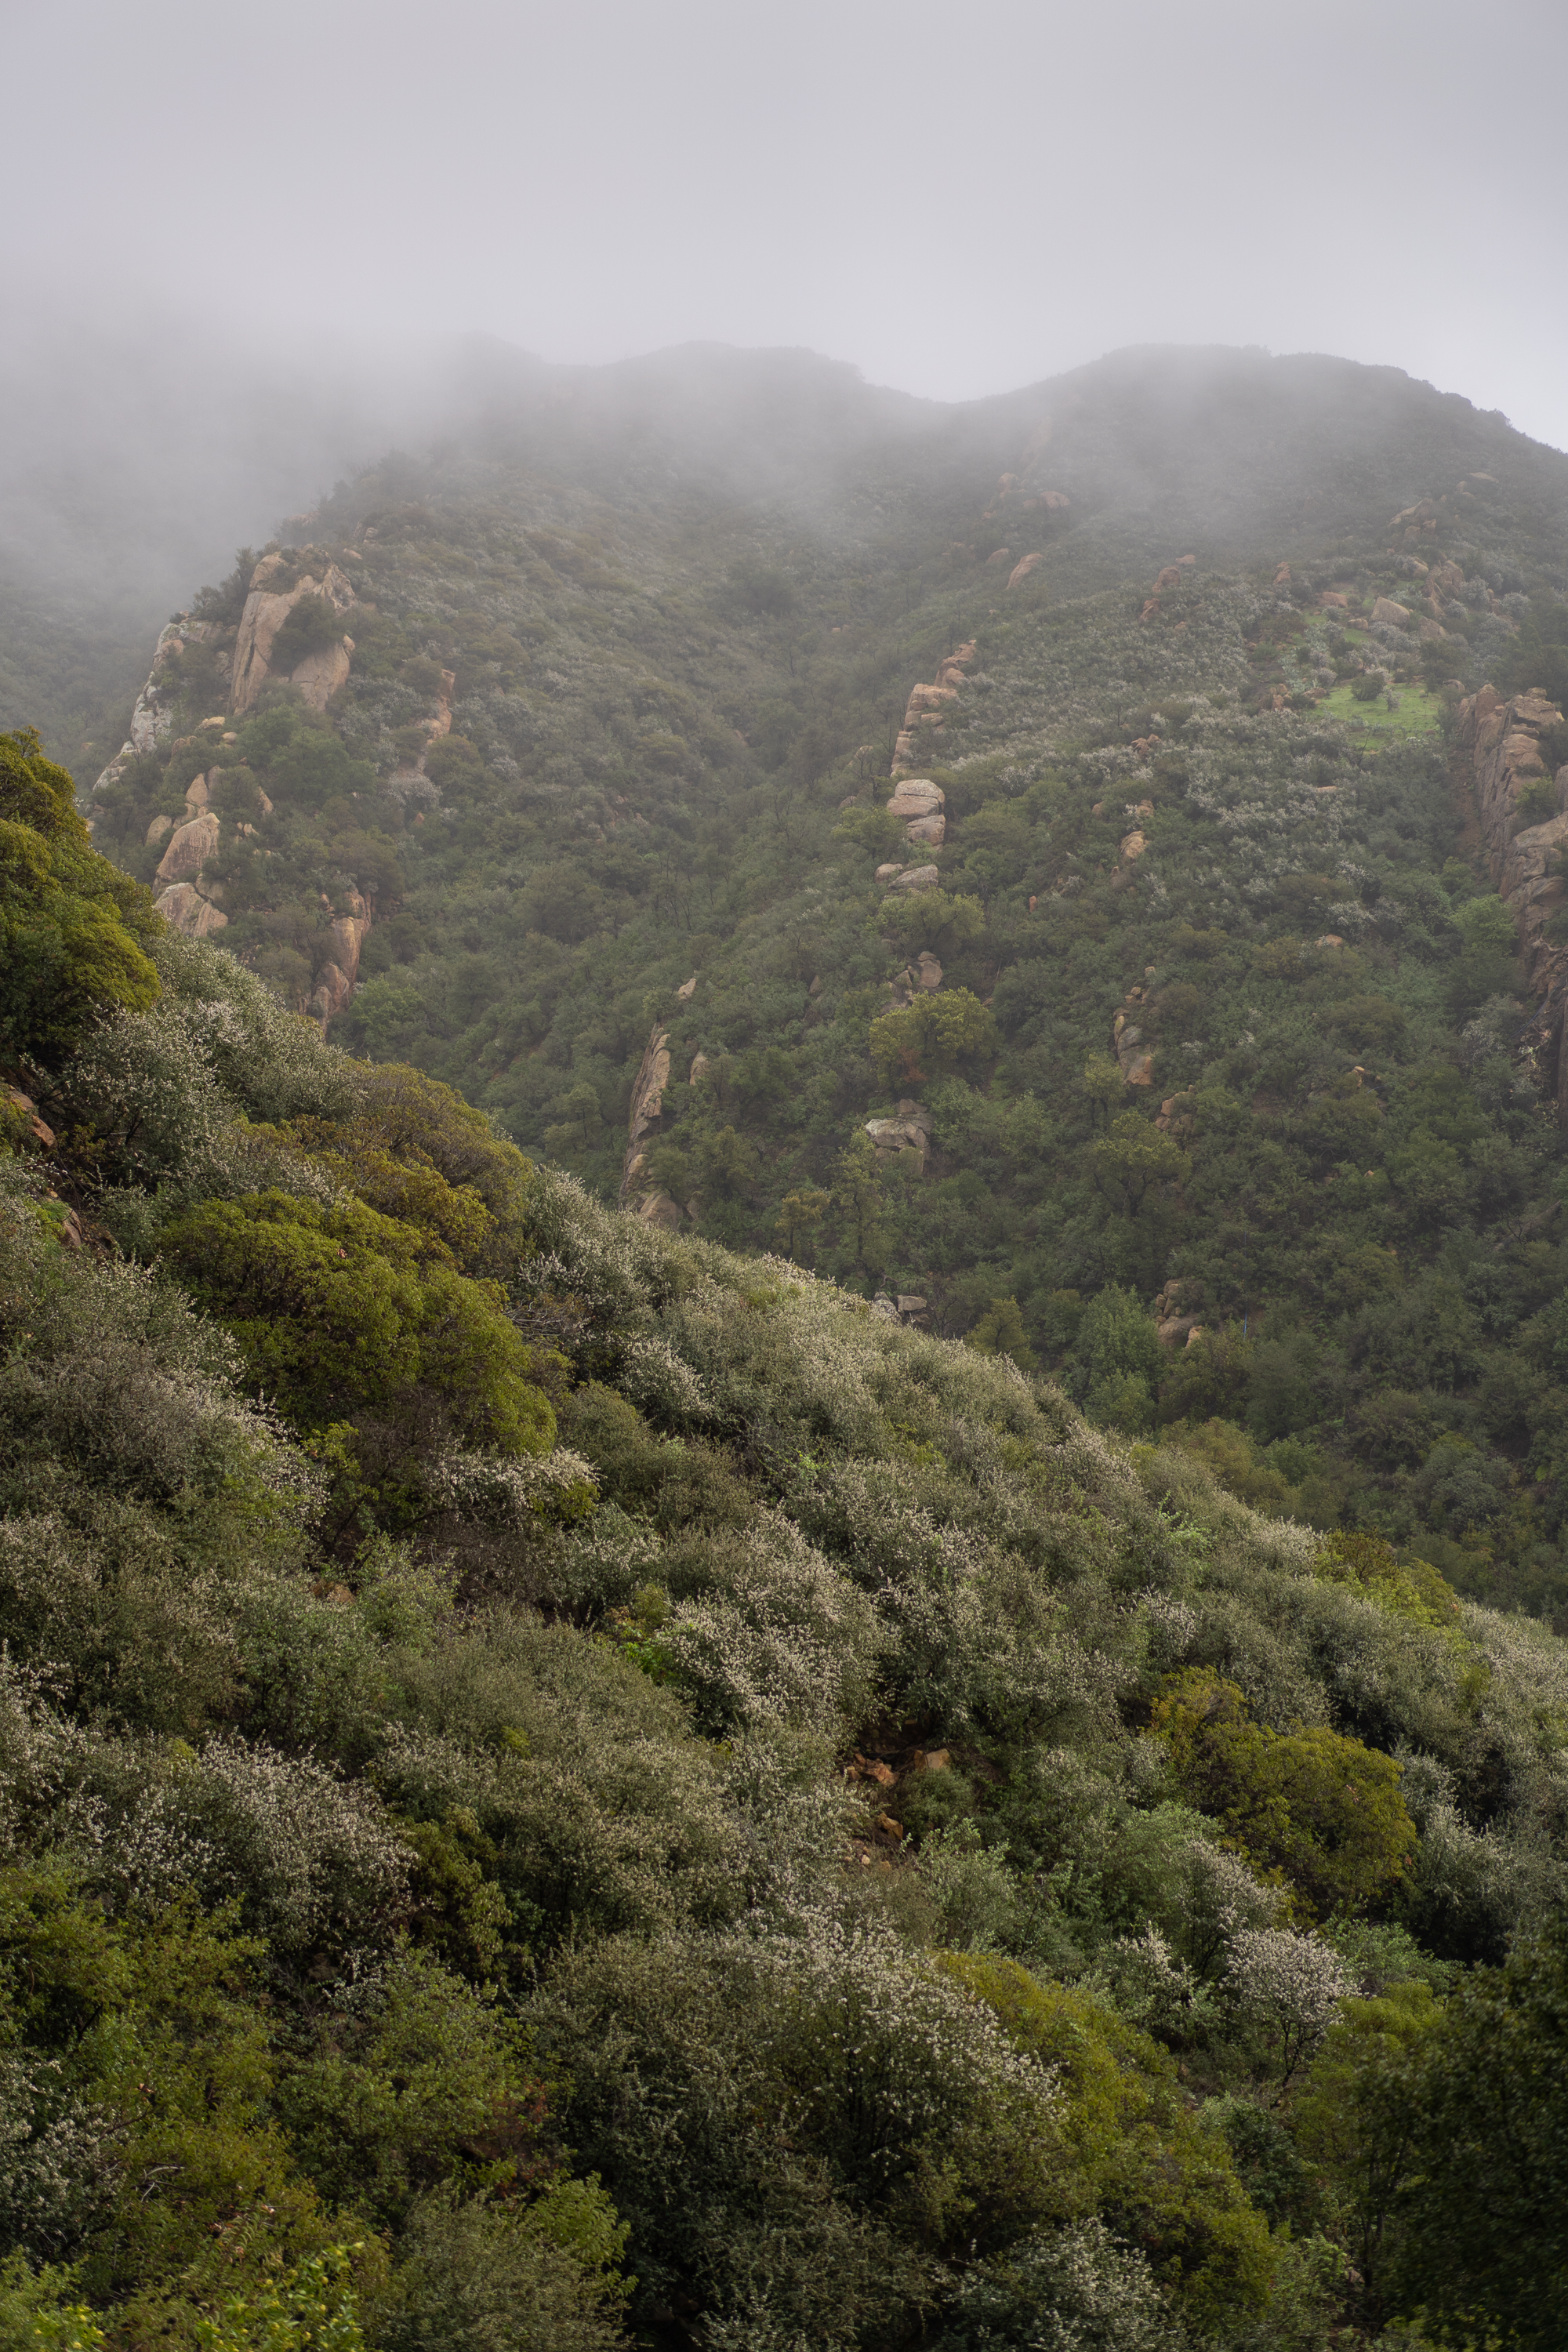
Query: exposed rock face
x,y
318,675
184,910
913,796
158,828
336,978
1396,616
916,877
923,713
266,610
151,719
1502,742
190,846
1024,565
1133,844
909,1131
642,1125
932,830
1136,1058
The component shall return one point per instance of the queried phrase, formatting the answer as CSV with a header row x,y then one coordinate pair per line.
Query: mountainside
x,y
1217,1090
901,1689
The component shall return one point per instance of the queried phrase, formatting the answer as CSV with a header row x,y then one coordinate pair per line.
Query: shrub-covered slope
x,y
565,1786
1218,1025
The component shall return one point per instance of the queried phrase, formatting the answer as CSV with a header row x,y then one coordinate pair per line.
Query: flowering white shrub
x,y
1285,1989
1154,1990
790,1639
511,1490
56,2158
1070,2290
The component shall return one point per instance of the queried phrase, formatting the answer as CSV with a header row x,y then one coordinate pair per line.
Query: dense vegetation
x,y
673,712
563,1786
567,1783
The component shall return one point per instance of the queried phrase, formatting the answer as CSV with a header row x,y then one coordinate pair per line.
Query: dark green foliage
x,y
72,926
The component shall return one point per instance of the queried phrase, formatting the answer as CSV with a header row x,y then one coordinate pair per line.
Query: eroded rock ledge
x,y
1523,809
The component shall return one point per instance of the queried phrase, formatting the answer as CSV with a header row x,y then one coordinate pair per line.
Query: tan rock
x,y
885,873
38,1129
1397,615
1022,569
158,828
184,910
190,846
915,796
1133,845
930,830
1331,600
687,991
659,1208
928,971
700,1064
319,675
1329,940
1000,555
1431,631
266,610
916,877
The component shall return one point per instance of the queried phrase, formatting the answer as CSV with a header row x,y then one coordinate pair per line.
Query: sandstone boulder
x,y
1132,845
887,873
184,910
916,797
158,828
916,877
687,991
198,793
319,675
1396,616
1000,555
928,970
190,846
1022,569
931,830
1331,600
700,1064
659,1208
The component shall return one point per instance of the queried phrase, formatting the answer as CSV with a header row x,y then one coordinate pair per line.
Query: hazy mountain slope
x,y
670,616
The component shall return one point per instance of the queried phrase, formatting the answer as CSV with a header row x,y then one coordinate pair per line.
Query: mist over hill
x,y
784,1523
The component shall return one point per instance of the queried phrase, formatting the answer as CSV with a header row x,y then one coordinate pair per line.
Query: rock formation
x,y
921,803
1172,576
1500,741
923,715
266,610
153,715
908,1131
649,1199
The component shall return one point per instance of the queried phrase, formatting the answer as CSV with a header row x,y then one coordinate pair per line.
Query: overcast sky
x,y
959,199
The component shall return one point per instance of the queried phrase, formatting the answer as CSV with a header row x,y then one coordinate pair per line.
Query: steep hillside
x,y
1187,1054
562,1787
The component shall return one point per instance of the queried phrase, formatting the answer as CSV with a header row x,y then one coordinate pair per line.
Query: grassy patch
x,y
1419,713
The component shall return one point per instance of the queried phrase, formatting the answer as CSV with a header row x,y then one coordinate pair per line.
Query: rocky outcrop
x,y
921,803
643,1123
318,675
1022,569
1134,1054
266,607
336,978
924,712
908,1131
1501,742
190,846
184,909
1172,576
153,715
914,877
